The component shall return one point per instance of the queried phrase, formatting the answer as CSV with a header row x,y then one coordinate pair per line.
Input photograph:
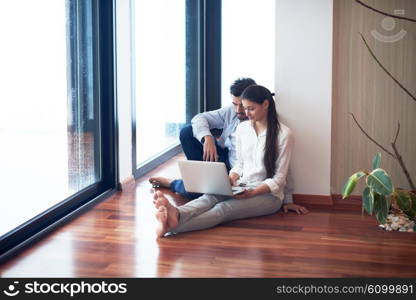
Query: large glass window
x,y
167,76
247,43
50,110
160,81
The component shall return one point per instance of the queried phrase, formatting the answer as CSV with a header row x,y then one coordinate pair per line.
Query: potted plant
x,y
394,208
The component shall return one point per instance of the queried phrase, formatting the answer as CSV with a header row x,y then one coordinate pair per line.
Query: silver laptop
x,y
207,178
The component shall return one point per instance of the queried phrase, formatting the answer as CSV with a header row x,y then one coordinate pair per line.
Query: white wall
x,y
303,84
124,86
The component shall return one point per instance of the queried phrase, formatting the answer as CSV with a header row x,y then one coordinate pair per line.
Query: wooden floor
x,y
116,239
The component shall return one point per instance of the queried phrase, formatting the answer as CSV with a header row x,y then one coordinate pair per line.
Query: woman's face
x,y
256,112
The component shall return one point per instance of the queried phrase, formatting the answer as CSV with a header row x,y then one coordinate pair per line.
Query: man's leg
x,y
178,187
192,148
223,156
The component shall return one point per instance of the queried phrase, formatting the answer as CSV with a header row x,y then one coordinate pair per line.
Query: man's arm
x,y
201,125
203,122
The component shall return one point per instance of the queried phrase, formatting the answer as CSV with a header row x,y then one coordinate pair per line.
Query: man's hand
x,y
299,209
210,150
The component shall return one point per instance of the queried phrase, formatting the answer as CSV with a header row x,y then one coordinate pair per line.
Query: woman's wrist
x,y
261,189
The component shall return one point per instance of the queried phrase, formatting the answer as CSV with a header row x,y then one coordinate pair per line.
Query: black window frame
x,y
36,228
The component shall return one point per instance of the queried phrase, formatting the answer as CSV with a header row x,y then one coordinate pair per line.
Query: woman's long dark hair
x,y
259,94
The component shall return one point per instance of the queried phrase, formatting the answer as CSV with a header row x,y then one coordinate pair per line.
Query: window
x,y
166,76
160,75
56,124
33,114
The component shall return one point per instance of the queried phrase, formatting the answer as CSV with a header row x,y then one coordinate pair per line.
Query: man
x,y
198,142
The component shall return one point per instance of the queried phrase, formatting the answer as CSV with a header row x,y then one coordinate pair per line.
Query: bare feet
x,y
159,199
160,181
162,220
165,208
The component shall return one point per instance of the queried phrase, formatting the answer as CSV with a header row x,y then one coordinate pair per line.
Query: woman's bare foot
x,y
159,200
160,181
163,201
162,220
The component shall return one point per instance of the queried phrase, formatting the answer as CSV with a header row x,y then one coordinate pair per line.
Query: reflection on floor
x,y
116,239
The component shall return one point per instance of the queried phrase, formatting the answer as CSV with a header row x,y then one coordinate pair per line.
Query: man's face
x,y
238,108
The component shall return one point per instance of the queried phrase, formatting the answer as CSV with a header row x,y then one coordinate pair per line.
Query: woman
x,y
264,147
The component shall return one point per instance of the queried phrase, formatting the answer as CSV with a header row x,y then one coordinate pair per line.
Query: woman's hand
x,y
246,194
260,190
210,150
233,178
299,209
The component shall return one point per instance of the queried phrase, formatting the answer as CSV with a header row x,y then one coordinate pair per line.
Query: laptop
x,y
207,178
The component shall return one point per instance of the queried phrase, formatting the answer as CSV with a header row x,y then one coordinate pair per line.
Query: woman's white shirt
x,y
250,154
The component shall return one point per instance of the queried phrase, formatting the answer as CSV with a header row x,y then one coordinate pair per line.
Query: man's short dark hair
x,y
238,86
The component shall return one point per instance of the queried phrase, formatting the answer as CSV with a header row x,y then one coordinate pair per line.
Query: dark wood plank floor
x,y
116,239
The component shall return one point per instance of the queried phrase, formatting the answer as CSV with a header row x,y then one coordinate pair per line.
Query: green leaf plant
x,y
379,196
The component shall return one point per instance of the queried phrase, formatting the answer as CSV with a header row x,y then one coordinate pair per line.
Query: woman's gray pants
x,y
210,210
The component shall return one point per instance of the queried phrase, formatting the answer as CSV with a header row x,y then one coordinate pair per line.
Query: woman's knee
x,y
222,211
258,206
209,200
272,204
